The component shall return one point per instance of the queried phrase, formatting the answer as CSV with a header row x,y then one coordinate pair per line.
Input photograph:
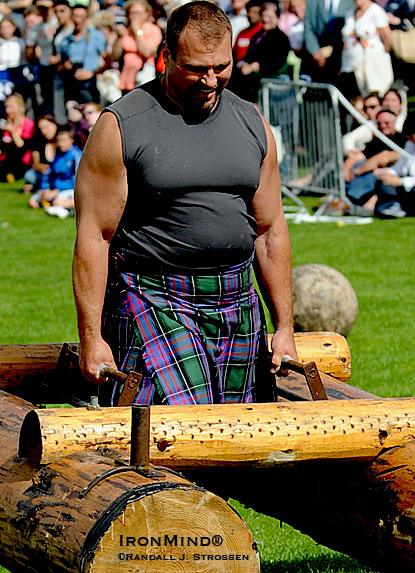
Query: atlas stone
x,y
323,299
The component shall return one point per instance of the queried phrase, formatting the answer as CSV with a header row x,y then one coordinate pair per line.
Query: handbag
x,y
374,73
403,43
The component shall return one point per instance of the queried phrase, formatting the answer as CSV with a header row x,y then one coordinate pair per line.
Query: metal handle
x,y
310,373
108,372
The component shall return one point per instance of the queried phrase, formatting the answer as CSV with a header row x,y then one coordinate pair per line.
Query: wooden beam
x,y
35,364
260,435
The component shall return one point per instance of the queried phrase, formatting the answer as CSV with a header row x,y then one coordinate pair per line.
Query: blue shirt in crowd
x,y
62,171
85,51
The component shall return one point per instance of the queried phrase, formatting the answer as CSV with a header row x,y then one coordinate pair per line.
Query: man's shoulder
x,y
136,102
239,103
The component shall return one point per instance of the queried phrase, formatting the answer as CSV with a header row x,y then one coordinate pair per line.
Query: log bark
x,y
26,365
127,521
260,435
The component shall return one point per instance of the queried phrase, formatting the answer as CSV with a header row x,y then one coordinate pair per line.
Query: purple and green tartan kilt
x,y
196,339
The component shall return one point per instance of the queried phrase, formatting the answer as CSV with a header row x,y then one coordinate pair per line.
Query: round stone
x,y
323,299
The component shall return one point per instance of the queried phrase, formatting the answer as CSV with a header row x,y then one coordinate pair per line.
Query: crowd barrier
x,y
306,121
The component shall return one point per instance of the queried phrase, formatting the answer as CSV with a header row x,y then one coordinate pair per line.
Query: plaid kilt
x,y
196,339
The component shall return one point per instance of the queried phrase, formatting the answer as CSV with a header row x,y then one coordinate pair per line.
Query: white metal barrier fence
x,y
307,124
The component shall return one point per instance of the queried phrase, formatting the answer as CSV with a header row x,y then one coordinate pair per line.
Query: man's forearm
x,y
90,271
274,274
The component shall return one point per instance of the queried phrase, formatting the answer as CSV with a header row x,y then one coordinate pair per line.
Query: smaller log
x,y
259,435
329,350
25,365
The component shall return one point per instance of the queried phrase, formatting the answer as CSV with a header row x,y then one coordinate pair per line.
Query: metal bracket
x,y
310,373
139,452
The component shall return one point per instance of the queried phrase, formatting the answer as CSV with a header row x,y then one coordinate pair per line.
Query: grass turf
x,y
37,306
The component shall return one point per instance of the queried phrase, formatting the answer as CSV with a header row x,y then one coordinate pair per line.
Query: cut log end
x,y
169,527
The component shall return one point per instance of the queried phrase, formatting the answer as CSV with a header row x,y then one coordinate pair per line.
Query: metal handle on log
x,y
310,373
116,375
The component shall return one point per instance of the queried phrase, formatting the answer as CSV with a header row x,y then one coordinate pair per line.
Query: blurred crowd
x,y
62,61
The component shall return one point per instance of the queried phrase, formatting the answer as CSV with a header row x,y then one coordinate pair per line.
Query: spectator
x,y
359,168
11,53
18,130
91,112
38,39
266,55
393,100
396,188
57,185
82,54
367,43
43,152
137,48
296,35
65,28
77,123
238,18
359,137
323,42
108,79
240,47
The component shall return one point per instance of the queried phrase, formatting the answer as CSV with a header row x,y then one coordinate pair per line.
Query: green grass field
x,y
37,306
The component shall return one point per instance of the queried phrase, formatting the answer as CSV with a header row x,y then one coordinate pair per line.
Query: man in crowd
x,y
177,191
80,54
359,168
396,188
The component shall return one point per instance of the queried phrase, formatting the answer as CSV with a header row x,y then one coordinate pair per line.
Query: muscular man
x,y
177,191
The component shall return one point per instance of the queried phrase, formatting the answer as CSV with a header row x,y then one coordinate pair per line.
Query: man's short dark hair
x,y
372,94
385,110
66,129
207,18
253,4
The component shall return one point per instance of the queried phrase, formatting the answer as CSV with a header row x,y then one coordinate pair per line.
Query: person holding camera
x,y
81,55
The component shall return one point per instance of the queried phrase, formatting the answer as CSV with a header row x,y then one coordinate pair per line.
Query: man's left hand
x,y
282,344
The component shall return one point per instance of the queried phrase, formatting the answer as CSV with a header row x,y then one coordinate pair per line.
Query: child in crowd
x,y
56,193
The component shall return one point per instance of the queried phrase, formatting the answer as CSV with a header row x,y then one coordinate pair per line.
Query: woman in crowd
x,y
367,43
43,152
266,56
17,132
137,48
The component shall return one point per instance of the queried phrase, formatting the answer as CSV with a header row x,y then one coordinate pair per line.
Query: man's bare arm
x,y
273,254
100,196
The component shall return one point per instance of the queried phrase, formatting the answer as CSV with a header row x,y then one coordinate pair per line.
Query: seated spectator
x,y
18,130
396,188
137,48
243,39
43,152
393,100
81,55
266,55
359,137
77,123
56,192
91,112
359,168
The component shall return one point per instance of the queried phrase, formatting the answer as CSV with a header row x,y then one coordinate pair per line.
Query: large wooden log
x,y
363,509
231,434
126,522
35,364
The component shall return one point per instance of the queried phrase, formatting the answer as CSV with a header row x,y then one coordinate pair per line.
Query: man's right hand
x,y
92,357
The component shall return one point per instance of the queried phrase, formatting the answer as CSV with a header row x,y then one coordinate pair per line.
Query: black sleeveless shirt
x,y
191,182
